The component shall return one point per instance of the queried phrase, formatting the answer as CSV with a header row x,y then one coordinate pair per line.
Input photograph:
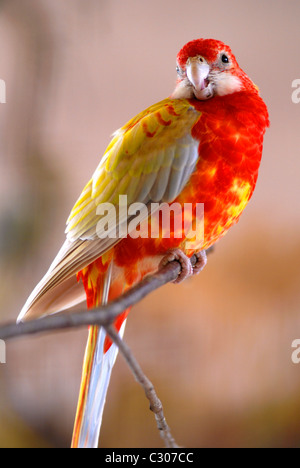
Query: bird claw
x,y
187,269
185,263
201,261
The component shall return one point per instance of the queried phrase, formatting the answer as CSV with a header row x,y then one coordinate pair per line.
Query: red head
x,y
208,68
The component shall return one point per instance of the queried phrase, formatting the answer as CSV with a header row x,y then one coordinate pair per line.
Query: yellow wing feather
x,y
150,158
136,158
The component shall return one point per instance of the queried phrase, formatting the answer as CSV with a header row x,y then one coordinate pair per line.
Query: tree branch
x,y
102,316
105,316
142,379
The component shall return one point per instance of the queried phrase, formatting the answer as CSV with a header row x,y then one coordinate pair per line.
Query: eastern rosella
x,y
203,144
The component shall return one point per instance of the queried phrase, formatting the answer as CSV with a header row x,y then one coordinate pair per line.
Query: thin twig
x,y
142,379
101,316
105,316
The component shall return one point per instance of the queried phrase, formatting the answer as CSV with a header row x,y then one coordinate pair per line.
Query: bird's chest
x,y
229,153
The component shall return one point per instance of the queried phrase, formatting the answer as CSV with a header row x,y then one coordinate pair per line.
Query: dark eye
x,y
225,59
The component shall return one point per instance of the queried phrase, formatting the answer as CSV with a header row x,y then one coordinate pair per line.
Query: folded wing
x,y
150,159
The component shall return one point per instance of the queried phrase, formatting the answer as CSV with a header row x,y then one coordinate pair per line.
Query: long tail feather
x,y
100,356
94,388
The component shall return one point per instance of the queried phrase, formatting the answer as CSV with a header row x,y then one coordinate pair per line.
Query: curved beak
x,y
197,70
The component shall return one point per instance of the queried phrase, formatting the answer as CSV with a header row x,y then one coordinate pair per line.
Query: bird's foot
x,y
185,263
200,263
187,269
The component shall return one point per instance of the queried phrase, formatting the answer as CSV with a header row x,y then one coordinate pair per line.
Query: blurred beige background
x,y
218,348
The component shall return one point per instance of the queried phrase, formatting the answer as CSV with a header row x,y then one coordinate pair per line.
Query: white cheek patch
x,y
227,84
183,91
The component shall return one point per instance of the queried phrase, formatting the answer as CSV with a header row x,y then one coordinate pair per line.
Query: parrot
x,y
202,145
